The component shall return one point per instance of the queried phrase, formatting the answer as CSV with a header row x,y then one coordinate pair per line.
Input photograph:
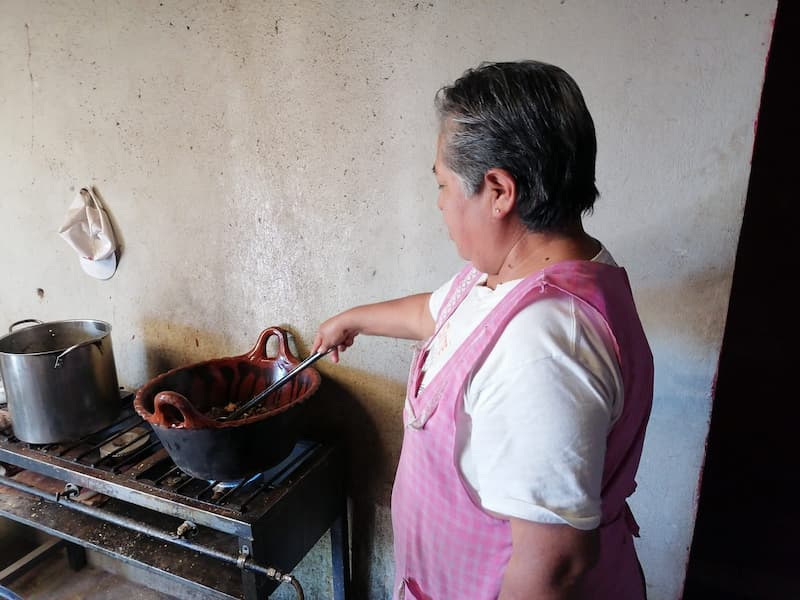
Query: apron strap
x,y
626,515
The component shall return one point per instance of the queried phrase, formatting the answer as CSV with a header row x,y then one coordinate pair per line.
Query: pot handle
x,y
60,357
11,327
259,351
173,410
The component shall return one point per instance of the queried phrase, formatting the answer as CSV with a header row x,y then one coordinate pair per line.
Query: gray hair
x,y
528,118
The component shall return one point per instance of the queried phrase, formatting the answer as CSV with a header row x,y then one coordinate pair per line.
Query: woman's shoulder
x,y
544,327
604,257
557,325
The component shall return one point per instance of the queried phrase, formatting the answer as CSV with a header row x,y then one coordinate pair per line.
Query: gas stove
x,y
118,492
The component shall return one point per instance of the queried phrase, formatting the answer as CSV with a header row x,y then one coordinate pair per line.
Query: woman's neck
x,y
533,251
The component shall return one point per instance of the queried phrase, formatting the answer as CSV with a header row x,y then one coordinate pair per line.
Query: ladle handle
x,y
285,379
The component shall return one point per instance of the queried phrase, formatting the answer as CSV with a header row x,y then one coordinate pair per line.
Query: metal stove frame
x,y
237,543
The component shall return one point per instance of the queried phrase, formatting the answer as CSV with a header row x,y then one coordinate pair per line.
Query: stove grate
x,y
150,465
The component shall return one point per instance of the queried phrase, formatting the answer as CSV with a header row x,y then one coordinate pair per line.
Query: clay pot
x,y
177,405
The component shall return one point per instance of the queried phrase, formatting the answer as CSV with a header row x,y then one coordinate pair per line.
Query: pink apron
x,y
446,547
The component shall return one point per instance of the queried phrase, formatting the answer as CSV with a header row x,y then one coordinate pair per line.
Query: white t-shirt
x,y
531,433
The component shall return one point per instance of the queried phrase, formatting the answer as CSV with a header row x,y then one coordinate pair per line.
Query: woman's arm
x,y
407,318
547,561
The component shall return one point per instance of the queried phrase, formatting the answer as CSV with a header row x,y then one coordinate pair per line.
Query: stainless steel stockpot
x,y
60,379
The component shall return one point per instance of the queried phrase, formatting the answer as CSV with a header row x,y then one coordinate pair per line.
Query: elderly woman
x,y
528,399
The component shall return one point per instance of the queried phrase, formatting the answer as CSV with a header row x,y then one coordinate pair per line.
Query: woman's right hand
x,y
337,333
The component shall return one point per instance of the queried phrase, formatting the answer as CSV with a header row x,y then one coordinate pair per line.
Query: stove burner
x,y
221,489
222,486
126,443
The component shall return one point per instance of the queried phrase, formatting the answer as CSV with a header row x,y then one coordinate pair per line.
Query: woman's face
x,y
465,217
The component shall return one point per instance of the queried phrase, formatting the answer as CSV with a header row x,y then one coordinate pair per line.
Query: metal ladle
x,y
285,379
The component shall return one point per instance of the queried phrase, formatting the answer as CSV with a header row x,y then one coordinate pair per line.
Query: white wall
x,y
269,164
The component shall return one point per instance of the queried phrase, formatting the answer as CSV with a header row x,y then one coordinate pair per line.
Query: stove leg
x,y
76,556
340,556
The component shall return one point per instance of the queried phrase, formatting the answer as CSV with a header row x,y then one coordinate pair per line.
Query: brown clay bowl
x,y
178,405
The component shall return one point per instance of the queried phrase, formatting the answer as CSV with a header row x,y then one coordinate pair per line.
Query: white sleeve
x,y
436,300
539,411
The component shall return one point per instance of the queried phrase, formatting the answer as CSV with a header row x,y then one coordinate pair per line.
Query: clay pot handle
x,y
259,351
173,410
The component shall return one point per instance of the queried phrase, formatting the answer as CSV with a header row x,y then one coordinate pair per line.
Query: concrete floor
x,y
53,579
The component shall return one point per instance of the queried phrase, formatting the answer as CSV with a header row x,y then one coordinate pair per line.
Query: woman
x,y
527,403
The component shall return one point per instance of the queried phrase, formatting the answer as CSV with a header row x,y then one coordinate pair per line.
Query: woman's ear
x,y
502,191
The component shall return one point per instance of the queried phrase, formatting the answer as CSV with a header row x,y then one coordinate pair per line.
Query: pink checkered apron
x,y
446,547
